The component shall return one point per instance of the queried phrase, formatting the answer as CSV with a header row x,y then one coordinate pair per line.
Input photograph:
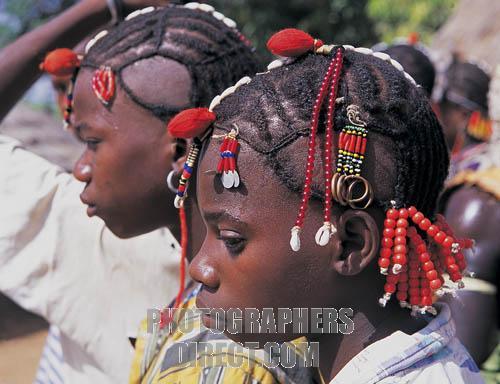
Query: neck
x,y
371,323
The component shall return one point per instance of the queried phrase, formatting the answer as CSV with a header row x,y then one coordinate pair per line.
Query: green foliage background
x,y
358,22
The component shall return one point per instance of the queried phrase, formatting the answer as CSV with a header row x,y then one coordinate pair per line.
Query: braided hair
x,y
215,54
278,104
416,63
467,84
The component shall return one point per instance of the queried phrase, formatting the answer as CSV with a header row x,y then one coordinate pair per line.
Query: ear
x,y
180,154
358,235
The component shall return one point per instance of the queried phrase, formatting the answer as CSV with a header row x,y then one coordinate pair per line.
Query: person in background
x,y
471,203
415,59
462,107
95,278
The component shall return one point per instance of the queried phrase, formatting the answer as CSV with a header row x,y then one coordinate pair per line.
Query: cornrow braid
x,y
407,157
195,35
380,90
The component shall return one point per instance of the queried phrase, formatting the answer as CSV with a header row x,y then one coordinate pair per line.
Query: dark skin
x,y
246,260
454,119
128,156
474,213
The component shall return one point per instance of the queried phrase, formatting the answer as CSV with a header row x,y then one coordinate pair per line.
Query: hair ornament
x,y
103,84
195,123
94,40
60,62
138,12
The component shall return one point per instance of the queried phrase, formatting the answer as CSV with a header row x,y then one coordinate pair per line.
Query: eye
x,y
233,241
92,143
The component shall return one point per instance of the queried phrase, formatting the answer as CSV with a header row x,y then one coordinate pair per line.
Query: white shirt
x,y
73,271
431,355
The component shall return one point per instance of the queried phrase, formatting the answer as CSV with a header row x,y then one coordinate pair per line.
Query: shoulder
x,y
451,365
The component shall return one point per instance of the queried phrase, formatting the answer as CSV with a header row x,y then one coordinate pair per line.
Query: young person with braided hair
x,y
415,60
375,161
128,84
462,105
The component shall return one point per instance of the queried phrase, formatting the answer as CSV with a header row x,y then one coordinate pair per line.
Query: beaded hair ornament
x,y
414,252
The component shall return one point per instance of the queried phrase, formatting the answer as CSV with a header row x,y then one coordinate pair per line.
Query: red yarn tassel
x,y
60,62
292,43
184,244
191,123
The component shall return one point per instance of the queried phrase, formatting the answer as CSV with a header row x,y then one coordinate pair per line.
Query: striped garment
x,y
52,360
157,358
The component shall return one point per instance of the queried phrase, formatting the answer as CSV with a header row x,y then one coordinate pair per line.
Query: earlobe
x,y
358,235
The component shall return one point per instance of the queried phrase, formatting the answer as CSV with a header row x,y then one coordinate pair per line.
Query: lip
x,y
206,319
91,210
91,207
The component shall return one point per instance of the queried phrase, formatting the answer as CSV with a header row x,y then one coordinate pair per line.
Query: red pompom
x,y
60,62
413,38
292,43
191,123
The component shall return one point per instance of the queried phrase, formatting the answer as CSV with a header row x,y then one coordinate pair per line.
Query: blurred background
x,y
469,28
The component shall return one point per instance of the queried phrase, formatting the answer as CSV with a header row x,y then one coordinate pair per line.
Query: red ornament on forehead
x,y
103,84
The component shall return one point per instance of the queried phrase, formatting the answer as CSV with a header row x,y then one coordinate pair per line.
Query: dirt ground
x,y
22,334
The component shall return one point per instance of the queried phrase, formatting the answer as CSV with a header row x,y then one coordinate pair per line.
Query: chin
x,y
124,231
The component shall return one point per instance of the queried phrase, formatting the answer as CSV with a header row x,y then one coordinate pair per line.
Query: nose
x,y
203,269
82,169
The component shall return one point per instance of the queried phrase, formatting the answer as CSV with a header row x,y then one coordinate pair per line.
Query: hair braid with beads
x,y
215,54
278,109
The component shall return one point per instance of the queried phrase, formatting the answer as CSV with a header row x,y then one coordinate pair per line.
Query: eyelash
x,y
92,143
235,245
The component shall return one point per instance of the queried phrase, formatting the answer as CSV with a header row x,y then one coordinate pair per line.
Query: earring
x,y
169,181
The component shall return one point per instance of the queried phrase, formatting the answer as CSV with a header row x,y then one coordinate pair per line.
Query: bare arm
x,y
476,214
19,61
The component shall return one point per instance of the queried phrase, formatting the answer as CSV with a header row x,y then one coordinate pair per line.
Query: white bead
x,y
243,81
227,179
236,180
397,65
348,47
206,8
147,10
94,40
323,235
382,56
131,15
178,202
218,15
274,64
230,23
364,51
192,5
215,102
396,268
295,239
410,79
227,92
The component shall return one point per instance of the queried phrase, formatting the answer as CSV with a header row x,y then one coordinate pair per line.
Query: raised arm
x,y
19,61
21,58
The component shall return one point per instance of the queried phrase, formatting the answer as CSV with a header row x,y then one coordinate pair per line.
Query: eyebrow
x,y
81,127
222,216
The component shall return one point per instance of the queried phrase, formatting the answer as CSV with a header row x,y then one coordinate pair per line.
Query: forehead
x,y
122,114
260,198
